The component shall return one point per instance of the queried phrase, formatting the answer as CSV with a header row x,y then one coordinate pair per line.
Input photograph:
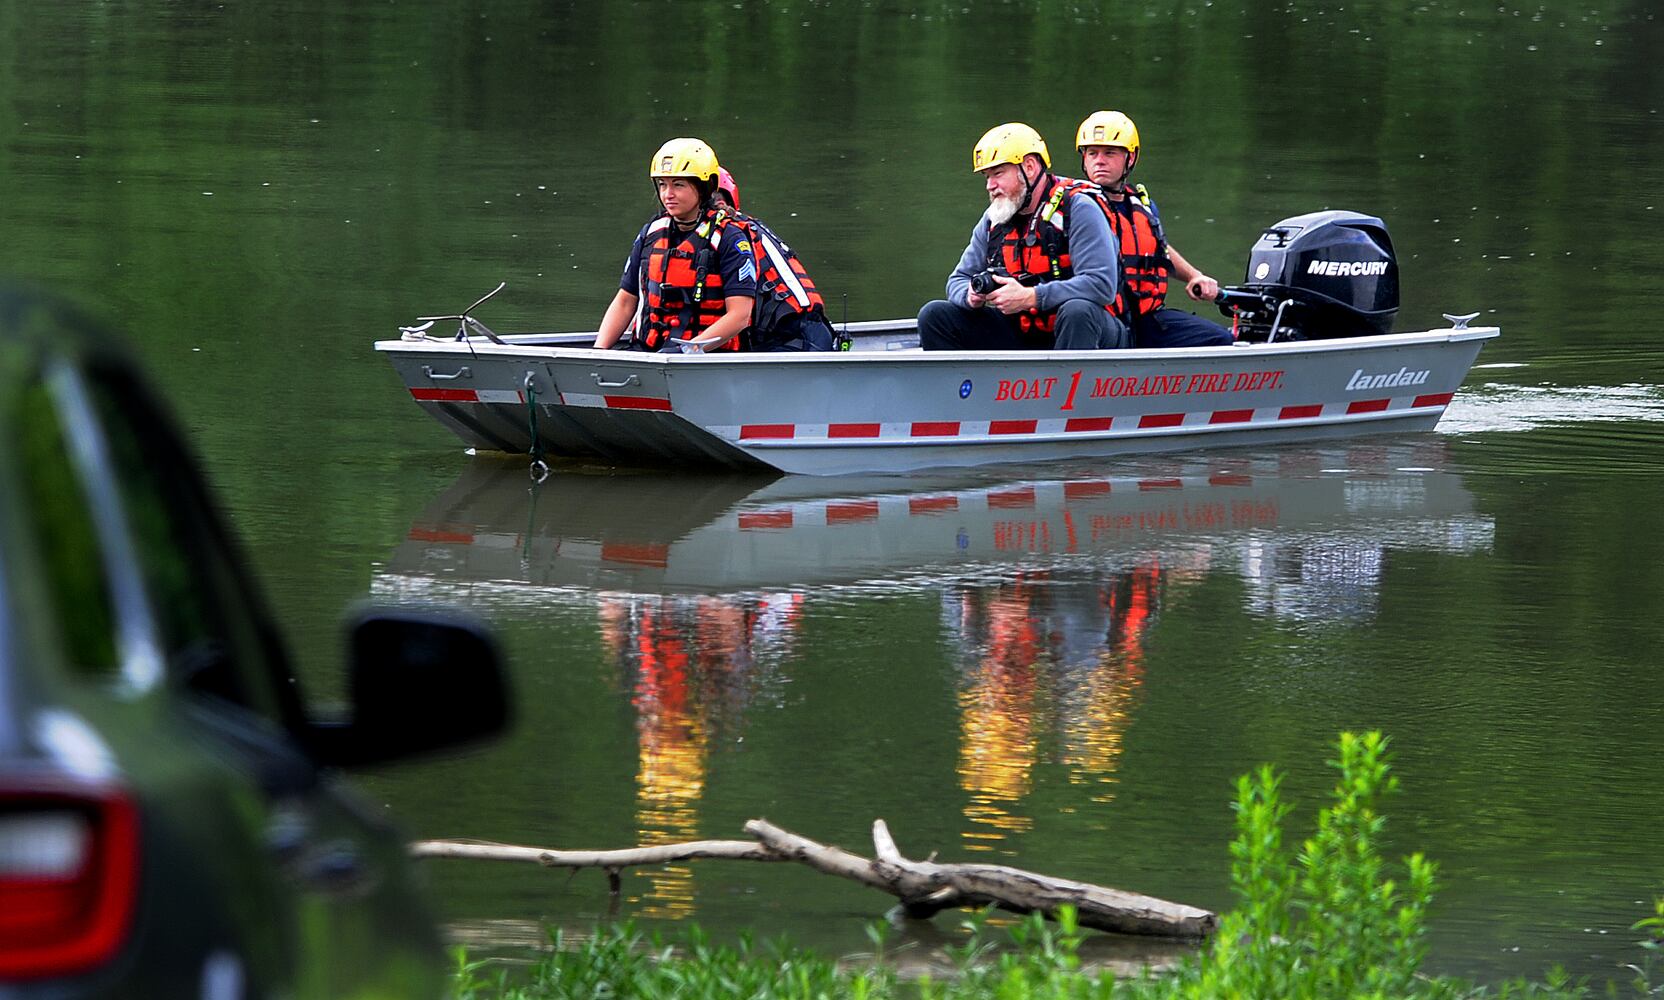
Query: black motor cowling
x,y
1315,276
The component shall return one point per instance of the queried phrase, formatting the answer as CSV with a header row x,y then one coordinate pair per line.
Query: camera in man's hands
x,y
983,282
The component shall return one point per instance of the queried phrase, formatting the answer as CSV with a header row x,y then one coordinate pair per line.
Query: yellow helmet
x,y
1008,143
684,158
1107,128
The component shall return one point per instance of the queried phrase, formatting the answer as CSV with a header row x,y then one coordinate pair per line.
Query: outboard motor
x,y
1316,276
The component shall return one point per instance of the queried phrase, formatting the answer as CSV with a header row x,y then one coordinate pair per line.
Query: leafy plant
x,y
1654,945
1329,921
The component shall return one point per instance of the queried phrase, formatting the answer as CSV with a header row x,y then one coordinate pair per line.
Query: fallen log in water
x,y
925,888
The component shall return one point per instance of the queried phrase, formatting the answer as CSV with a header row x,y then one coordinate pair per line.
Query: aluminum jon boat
x,y
886,406
1314,359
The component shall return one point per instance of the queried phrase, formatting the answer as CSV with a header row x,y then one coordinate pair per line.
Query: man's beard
x,y
1002,209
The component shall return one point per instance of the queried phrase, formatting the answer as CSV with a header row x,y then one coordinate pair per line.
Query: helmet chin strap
x,y
1028,187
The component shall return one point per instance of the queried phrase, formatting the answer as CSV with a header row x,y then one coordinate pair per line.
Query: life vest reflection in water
x,y
693,664
1041,659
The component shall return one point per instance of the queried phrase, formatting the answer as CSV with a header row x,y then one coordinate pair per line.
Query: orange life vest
x,y
783,284
681,282
1040,251
1143,247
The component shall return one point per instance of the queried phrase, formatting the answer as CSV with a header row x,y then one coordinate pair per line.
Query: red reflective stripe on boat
x,y
1012,426
634,554
440,535
1230,479
1010,499
637,403
767,431
852,430
1088,424
1368,406
1231,416
1161,420
940,428
1145,485
1437,399
931,505
1084,491
446,395
1299,412
851,510
766,519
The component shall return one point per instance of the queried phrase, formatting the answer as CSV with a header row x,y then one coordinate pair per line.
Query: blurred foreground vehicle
x,y
170,825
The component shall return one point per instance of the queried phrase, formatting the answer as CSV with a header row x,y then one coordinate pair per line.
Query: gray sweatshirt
x,y
1093,257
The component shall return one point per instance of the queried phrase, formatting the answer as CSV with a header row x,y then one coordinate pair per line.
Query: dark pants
x,y
1081,326
797,332
1177,328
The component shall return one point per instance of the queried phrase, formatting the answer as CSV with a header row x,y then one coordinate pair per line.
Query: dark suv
x,y
170,823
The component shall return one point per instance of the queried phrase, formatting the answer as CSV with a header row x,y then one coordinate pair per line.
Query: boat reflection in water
x,y
1049,587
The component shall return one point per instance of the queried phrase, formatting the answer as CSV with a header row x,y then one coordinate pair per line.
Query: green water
x,y
1066,681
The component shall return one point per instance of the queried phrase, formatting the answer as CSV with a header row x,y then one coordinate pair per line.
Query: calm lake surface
x,y
1059,667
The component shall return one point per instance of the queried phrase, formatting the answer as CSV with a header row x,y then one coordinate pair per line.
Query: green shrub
x,y
1654,945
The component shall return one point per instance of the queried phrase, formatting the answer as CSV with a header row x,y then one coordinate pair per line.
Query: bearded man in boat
x,y
1041,269
703,277
1107,142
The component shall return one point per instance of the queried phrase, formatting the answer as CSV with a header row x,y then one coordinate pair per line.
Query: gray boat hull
x,y
888,407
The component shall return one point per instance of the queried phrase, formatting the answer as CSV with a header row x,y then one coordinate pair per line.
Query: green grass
x,y
1333,919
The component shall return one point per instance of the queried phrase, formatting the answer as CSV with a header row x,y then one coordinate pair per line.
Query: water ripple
x,y
1495,407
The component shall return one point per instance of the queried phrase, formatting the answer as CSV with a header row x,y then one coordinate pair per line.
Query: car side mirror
x,y
419,680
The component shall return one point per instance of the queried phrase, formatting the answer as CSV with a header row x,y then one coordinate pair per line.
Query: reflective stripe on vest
x,y
780,274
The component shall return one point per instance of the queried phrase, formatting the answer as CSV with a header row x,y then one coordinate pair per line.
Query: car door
x,y
323,898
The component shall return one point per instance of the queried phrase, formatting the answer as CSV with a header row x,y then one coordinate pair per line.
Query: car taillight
x,y
68,878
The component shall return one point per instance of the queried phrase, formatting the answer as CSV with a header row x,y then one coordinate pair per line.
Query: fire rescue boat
x,y
1314,359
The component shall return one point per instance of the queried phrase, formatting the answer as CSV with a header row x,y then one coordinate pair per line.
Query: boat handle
x,y
604,384
463,372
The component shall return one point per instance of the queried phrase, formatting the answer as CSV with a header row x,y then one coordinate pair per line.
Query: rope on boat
x,y
539,468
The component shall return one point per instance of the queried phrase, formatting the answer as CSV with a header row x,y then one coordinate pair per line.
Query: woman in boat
x,y
686,292
691,279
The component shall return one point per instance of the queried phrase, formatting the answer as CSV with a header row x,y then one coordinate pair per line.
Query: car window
x,y
215,640
56,515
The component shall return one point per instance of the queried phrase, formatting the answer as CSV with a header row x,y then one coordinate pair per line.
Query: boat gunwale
x,y
517,346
